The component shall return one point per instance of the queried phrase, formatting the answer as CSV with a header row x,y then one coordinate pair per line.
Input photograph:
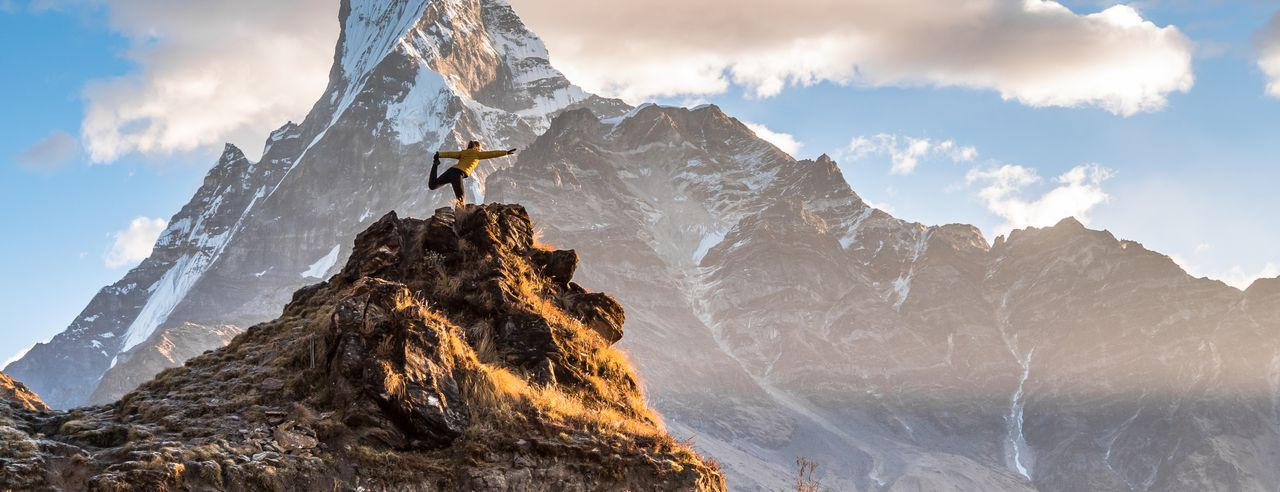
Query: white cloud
x,y
1269,54
1236,276
1076,193
134,244
883,206
233,70
1036,52
785,141
230,70
8,7
55,151
905,153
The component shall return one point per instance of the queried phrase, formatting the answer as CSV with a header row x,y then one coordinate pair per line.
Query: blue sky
x,y
1195,179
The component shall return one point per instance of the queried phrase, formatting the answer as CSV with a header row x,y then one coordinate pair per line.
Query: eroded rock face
x,y
410,375
18,397
774,313
168,347
442,357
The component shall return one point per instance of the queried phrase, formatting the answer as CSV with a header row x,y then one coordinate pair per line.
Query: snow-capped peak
x,y
480,48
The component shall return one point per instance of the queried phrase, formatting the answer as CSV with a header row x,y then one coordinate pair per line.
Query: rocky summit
x,y
453,353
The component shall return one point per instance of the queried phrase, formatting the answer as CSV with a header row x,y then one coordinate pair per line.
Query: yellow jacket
x,y
470,158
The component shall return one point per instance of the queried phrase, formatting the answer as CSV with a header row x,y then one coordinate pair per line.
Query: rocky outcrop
x,y
441,357
168,347
18,397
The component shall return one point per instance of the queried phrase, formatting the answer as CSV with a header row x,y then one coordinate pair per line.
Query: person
x,y
467,161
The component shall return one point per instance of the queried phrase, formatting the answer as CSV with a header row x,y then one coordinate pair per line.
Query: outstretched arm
x,y
496,153
449,155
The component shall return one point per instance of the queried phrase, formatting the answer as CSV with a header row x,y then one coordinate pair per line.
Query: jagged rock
x,y
556,265
411,374
290,439
396,373
18,397
599,311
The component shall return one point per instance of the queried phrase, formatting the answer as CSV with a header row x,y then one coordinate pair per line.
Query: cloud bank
x,y
214,74
1075,194
1036,52
904,152
1236,277
230,70
1268,40
785,141
134,244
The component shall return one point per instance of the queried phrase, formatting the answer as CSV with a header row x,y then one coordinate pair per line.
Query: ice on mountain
x,y
420,115
852,234
165,295
626,116
322,265
370,32
709,240
902,287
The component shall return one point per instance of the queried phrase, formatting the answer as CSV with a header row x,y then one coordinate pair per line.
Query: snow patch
x,y
709,240
371,31
902,286
852,234
322,265
420,115
166,293
1020,455
616,120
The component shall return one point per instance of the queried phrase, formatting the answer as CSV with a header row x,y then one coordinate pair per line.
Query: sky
x,y
1155,120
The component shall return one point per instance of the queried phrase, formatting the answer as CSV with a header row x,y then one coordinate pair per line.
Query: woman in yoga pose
x,y
467,161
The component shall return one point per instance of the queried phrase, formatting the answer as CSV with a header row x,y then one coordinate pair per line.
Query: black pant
x,y
451,176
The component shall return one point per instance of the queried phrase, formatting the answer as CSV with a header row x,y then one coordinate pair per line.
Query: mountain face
x,y
776,315
772,312
451,353
167,347
123,315
409,77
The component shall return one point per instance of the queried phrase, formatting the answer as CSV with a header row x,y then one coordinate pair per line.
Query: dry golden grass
x,y
539,243
613,405
481,336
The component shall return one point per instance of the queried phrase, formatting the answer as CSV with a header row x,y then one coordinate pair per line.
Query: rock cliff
x,y
454,353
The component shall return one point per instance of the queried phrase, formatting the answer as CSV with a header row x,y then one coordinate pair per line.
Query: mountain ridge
x,y
945,359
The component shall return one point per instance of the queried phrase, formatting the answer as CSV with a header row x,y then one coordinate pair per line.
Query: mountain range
x,y
772,313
